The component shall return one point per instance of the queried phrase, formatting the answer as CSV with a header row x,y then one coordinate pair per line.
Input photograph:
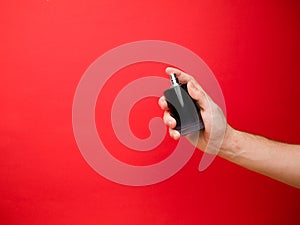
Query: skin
x,y
279,161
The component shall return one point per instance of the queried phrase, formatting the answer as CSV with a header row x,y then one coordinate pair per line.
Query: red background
x,y
45,46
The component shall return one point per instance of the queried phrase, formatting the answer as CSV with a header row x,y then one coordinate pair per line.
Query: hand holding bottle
x,y
277,160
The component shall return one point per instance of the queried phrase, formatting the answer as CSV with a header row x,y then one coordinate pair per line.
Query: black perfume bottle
x,y
183,107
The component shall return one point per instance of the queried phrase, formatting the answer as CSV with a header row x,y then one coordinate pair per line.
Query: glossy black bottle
x,y
183,108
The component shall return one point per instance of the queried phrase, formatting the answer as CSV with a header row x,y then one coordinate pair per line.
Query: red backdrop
x,y
251,46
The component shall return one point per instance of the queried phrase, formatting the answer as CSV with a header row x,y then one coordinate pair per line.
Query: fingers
x,y
171,122
182,76
168,119
197,93
194,89
163,103
174,134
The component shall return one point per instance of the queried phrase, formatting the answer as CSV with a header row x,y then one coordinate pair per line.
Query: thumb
x,y
197,93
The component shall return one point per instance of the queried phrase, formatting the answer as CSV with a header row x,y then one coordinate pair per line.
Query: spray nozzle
x,y
174,79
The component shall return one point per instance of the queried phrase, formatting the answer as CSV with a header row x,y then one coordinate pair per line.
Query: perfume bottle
x,y
183,107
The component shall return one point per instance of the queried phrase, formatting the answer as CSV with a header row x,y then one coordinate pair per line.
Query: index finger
x,y
182,76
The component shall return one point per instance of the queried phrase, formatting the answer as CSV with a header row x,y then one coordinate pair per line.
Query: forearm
x,y
277,160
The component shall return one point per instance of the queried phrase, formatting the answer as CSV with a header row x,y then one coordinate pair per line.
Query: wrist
x,y
230,145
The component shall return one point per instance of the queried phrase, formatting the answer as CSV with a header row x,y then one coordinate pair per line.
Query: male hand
x,y
216,128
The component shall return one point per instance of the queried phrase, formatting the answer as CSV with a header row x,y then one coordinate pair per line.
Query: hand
x,y
216,128
277,160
